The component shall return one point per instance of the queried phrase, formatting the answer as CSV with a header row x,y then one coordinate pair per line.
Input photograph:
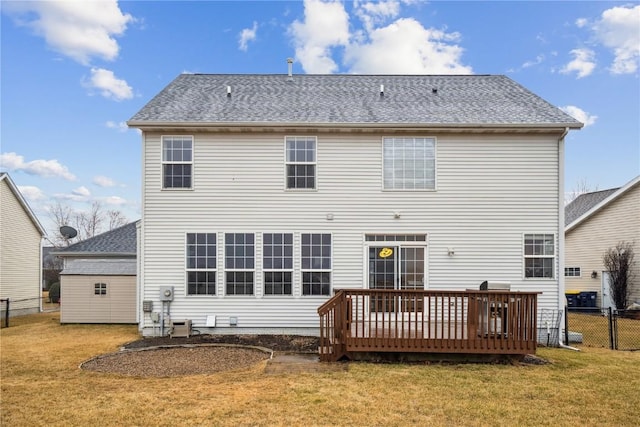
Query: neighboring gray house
x,y
98,281
20,251
595,222
263,194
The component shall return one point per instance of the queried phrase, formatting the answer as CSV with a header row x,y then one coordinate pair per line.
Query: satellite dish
x,y
68,232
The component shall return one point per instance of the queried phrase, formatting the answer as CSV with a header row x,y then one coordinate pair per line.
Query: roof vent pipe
x,y
290,68
228,91
381,90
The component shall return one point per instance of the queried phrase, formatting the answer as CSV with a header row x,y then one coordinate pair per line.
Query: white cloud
x,y
247,35
583,63
403,46
81,191
406,47
119,126
580,115
109,85
581,22
375,13
31,193
326,25
115,200
536,61
103,181
79,30
44,168
618,30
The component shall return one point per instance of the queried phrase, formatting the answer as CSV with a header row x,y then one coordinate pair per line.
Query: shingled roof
x,y
365,100
119,241
583,203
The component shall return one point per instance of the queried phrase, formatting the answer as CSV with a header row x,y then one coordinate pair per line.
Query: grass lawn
x,y
42,385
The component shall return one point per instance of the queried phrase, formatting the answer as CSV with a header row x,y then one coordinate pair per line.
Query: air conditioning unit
x,y
166,293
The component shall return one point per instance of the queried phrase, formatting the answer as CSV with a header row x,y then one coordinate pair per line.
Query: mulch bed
x,y
283,343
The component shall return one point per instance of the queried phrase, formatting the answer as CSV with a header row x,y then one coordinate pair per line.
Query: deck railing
x,y
471,322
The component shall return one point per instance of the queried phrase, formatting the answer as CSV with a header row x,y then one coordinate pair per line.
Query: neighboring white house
x,y
595,222
98,281
263,194
20,251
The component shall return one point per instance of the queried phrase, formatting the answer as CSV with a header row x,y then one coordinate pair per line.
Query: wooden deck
x,y
411,321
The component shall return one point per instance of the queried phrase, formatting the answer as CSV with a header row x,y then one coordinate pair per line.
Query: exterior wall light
x,y
594,274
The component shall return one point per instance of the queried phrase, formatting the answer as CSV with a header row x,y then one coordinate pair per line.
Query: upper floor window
x,y
177,161
201,263
301,162
539,255
277,263
239,262
409,163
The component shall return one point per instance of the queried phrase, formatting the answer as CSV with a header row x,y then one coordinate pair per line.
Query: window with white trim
x,y
409,163
277,263
239,263
539,256
100,288
201,263
177,161
572,272
316,264
300,160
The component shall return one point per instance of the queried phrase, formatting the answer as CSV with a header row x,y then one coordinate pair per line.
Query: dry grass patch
x,y
42,385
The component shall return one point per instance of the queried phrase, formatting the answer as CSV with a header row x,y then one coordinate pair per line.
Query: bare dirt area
x,y
285,343
198,354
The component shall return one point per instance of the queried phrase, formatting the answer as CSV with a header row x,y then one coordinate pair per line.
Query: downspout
x,y
561,298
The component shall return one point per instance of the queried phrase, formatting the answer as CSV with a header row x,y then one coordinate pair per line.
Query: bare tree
x,y
60,215
581,187
116,219
618,261
88,223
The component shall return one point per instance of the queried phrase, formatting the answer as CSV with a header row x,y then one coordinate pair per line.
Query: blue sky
x,y
74,72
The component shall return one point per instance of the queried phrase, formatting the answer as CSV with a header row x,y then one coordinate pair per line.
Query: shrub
x,y
54,292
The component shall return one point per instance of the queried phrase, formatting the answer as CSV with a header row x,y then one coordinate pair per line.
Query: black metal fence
x,y
18,307
605,328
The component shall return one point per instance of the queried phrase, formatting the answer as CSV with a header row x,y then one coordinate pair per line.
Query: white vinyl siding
x,y
20,249
485,203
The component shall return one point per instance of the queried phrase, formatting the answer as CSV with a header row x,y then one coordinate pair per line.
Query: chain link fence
x,y
605,328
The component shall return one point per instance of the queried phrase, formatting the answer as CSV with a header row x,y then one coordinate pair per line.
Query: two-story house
x,y
263,194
